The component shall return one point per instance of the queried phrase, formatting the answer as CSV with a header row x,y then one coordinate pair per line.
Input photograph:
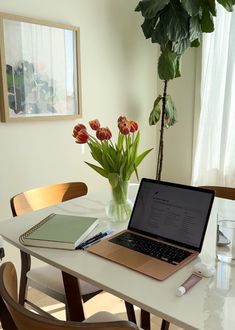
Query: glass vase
x,y
119,207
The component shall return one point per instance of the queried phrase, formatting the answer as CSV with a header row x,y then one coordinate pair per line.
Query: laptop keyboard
x,y
155,249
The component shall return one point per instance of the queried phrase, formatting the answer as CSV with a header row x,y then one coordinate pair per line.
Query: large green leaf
x,y
191,6
227,4
196,43
211,6
178,67
176,20
168,65
156,112
207,22
170,112
150,8
180,46
148,27
159,35
195,30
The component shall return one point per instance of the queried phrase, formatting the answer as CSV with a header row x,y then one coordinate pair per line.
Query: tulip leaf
x,y
113,179
141,157
98,169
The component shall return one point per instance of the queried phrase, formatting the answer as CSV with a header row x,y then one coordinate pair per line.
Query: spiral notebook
x,y
59,231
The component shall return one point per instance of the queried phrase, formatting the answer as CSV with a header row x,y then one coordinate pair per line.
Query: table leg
x,y
73,298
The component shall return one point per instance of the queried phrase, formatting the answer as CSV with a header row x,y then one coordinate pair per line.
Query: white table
x,y
209,305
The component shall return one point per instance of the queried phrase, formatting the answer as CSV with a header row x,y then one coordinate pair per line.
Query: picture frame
x,y
40,75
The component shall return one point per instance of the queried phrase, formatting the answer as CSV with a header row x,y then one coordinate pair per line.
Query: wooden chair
x,y
23,319
48,279
223,192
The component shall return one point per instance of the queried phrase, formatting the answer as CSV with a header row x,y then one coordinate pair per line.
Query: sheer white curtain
x,y
214,161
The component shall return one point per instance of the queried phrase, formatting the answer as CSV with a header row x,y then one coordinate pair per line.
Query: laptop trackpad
x,y
128,258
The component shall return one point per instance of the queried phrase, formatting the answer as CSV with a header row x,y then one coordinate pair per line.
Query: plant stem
x,y
161,140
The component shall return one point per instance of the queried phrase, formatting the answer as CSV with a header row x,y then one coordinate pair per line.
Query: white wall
x,y
118,68
177,163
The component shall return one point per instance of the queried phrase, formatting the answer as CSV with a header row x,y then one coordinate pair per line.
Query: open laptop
x,y
165,232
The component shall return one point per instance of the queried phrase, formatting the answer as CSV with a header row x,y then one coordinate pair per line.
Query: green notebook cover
x,y
59,231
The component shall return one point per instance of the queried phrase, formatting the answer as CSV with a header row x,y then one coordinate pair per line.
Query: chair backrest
x,y
223,192
27,320
39,198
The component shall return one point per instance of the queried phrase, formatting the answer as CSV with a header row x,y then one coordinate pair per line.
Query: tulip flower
x,y
122,119
103,133
115,161
133,126
77,128
94,124
82,136
124,127
108,133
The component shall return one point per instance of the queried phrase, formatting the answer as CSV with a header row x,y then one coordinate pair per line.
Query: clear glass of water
x,y
225,242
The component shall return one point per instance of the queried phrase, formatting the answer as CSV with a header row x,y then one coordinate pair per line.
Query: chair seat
x,y
48,279
102,317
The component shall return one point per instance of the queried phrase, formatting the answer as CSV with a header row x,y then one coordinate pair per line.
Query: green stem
x,y
120,192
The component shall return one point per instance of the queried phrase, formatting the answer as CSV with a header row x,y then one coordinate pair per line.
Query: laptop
x,y
165,232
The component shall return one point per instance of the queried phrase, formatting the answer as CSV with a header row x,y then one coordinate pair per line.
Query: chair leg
x,y
145,320
25,267
88,296
165,325
130,312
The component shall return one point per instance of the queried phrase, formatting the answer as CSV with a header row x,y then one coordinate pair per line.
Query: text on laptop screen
x,y
170,212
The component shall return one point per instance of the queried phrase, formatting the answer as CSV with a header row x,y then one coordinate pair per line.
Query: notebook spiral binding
x,y
32,229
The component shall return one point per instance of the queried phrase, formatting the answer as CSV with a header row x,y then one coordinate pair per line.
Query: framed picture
x,y
40,69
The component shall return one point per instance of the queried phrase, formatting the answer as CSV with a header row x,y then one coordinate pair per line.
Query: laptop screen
x,y
175,213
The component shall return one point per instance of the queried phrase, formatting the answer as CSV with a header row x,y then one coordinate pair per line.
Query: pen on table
x,y
92,240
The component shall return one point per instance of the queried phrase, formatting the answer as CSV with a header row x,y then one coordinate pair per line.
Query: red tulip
x,y
108,133
100,134
82,136
77,128
94,124
122,119
133,126
103,133
124,127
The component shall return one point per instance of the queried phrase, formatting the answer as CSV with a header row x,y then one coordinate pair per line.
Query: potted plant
x,y
175,25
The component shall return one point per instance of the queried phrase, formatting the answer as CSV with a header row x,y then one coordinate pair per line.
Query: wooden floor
x,y
104,301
